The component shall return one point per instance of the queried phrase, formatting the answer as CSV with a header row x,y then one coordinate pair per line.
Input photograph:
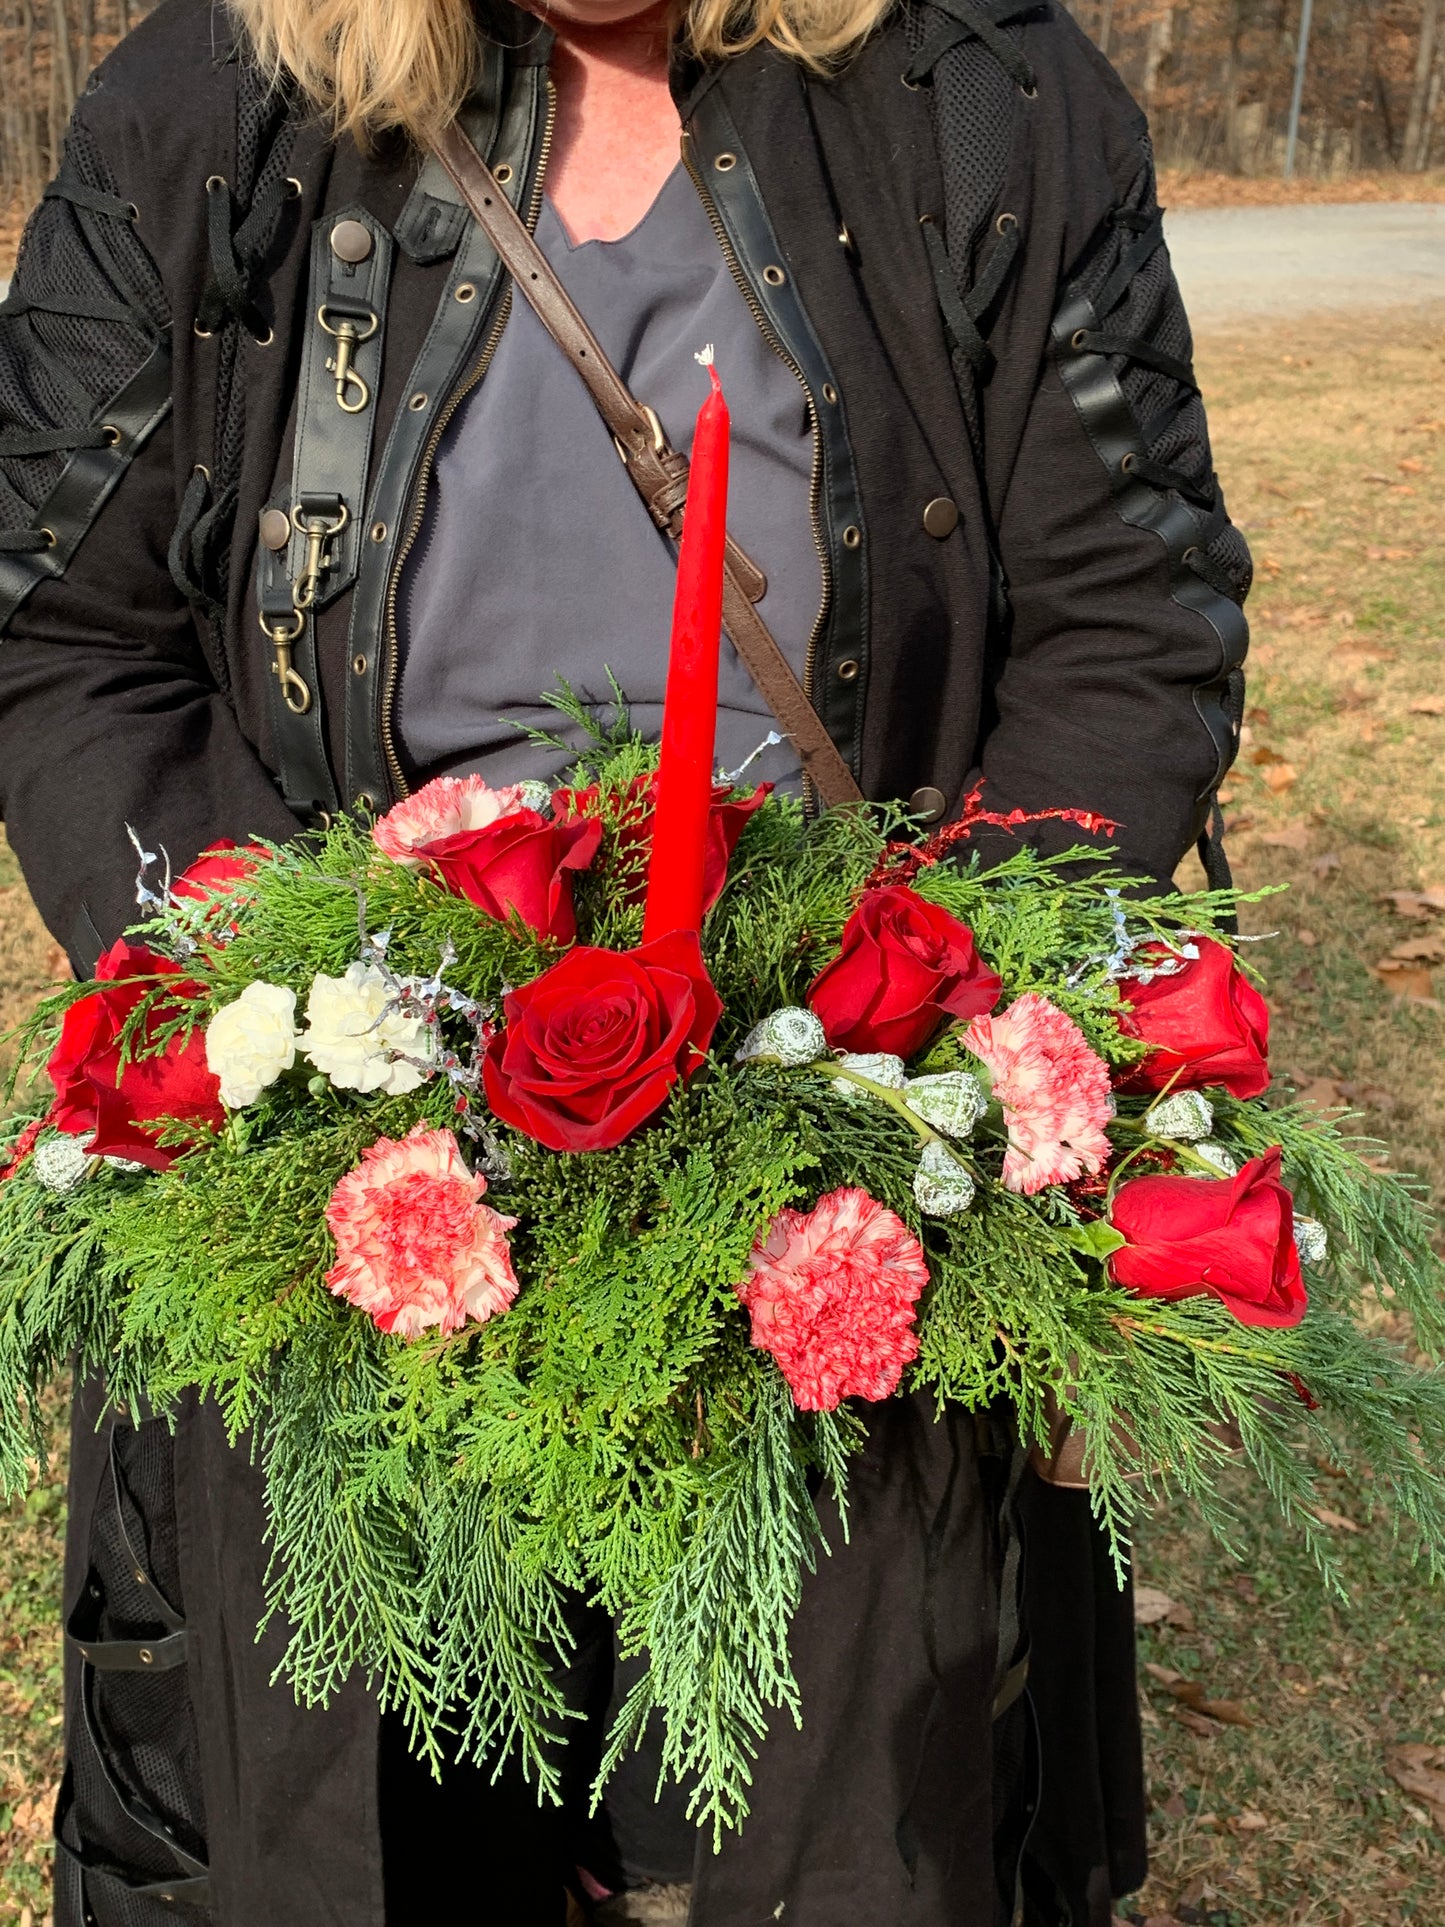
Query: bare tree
x,y
1415,148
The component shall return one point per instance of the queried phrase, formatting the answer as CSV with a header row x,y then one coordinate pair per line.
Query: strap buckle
x,y
659,440
347,332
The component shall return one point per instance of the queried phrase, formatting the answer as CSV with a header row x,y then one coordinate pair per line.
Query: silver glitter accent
x,y
60,1163
1223,1160
878,1066
536,795
943,1188
128,1167
1186,1116
1311,1241
952,1101
789,1036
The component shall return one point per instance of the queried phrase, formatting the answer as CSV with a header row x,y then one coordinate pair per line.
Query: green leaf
x,y
1096,1240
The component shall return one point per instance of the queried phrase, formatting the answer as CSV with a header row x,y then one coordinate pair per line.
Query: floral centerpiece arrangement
x,y
537,1257
546,1181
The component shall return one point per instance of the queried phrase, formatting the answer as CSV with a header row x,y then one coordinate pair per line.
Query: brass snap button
x,y
927,804
351,241
275,529
940,517
849,670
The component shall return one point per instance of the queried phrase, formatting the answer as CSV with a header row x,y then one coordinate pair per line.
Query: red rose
x,y
1207,1023
522,863
592,1047
1233,1237
904,966
217,867
92,1091
630,813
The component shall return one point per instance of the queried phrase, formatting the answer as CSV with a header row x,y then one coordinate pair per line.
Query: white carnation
x,y
356,1040
250,1042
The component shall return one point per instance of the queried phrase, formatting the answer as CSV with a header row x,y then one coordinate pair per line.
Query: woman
x,y
298,499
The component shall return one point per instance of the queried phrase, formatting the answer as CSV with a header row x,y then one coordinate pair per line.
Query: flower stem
x,y
895,1100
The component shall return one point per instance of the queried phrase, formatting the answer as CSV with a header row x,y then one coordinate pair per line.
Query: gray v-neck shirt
x,y
537,559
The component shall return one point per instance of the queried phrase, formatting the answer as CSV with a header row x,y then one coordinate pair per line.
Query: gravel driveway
x,y
1237,262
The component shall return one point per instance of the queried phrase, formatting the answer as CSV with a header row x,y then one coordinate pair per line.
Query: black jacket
x,y
956,243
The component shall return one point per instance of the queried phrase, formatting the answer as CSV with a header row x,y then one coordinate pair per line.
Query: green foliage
x,y
437,1507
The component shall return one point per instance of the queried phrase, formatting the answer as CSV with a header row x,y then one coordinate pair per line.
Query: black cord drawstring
x,y
967,21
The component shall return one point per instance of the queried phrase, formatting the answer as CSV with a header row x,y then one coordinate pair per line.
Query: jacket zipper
x,y
454,402
815,485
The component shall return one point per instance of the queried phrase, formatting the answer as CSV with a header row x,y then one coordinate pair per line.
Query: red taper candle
x,y
689,718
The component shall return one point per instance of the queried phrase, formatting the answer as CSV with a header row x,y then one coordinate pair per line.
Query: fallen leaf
x,y
1196,1723
1175,1808
1296,837
1426,950
1331,860
1420,1771
1428,706
1411,466
1264,755
1180,1618
1411,981
1151,1606
1389,555
1322,1093
1249,1822
1280,776
1359,646
57,965
1307,938
1335,1519
1165,1675
1420,904
1237,825
1373,475
1227,1712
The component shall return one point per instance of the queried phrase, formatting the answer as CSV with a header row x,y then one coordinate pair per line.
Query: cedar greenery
x,y
435,1506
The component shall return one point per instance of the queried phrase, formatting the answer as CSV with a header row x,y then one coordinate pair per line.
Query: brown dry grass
x,y
1201,187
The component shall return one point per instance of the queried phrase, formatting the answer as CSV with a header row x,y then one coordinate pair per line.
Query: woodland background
x,y
1215,76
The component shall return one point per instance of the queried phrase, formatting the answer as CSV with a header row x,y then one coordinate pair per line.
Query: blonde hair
x,y
373,65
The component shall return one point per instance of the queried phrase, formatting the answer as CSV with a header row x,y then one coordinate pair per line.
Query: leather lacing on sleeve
x,y
1139,322
86,312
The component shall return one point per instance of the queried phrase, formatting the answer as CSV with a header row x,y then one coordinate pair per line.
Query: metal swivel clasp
x,y
316,530
348,331
295,691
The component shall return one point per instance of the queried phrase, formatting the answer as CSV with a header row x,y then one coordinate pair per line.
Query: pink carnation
x,y
1054,1091
415,1245
831,1294
447,806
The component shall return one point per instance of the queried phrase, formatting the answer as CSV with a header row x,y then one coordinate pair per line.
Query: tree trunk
x,y
62,71
1106,24
1417,125
85,39
1161,40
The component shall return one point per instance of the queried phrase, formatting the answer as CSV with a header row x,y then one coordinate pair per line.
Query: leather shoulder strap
x,y
658,471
